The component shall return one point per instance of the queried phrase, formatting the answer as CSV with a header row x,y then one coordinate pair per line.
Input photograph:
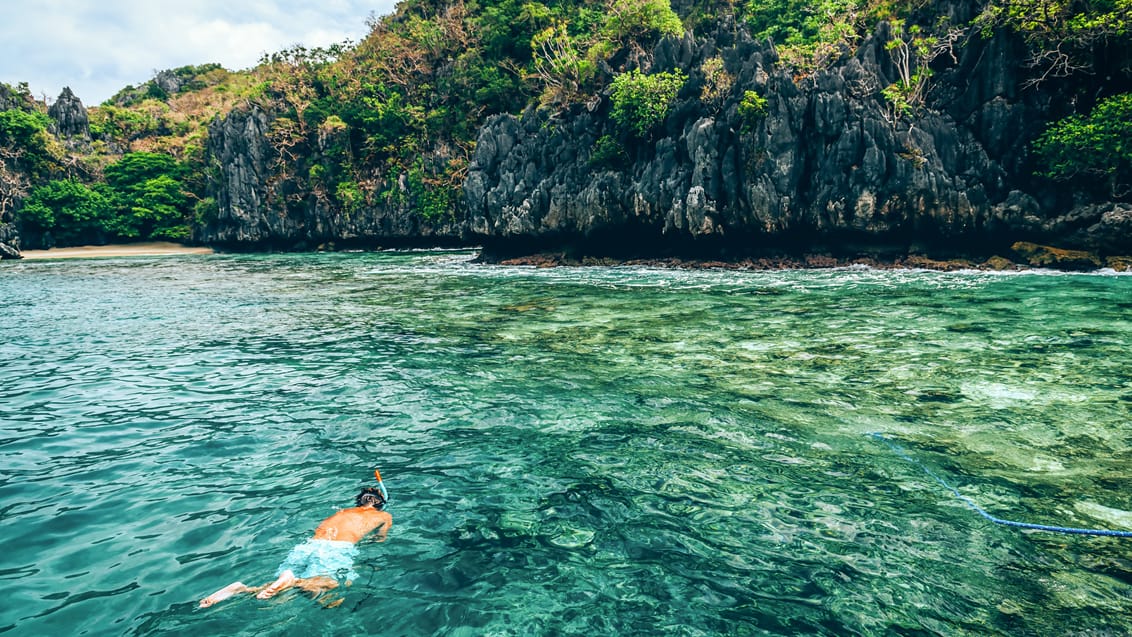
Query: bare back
x,y
351,525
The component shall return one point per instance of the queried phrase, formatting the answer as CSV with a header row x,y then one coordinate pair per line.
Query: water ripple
x,y
600,450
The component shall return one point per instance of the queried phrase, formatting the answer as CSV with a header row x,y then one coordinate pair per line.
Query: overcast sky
x,y
99,46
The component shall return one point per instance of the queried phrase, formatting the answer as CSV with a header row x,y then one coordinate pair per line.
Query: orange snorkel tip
x,y
381,485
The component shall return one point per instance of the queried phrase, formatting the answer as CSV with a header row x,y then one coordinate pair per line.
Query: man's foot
x,y
223,594
286,580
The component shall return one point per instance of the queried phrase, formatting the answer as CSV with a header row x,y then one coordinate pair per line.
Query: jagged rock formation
x,y
168,82
258,206
9,242
827,167
69,117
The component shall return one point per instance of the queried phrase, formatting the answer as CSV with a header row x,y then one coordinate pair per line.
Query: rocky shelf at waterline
x,y
1027,256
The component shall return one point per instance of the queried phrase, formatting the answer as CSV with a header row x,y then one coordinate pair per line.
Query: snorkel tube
x,y
381,485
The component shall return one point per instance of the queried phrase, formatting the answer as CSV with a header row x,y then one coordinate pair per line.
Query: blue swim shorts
x,y
329,558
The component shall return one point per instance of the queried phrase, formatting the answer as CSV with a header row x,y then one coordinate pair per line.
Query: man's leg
x,y
223,594
286,580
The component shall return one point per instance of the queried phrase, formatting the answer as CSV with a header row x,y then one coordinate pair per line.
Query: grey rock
x,y
168,82
9,252
826,163
1103,228
260,206
9,242
69,116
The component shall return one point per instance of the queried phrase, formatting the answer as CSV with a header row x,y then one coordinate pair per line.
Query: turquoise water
x,y
599,451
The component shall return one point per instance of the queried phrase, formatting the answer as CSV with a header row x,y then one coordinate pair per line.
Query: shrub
x,y
717,83
810,34
205,211
752,108
150,197
640,101
638,18
71,211
1093,146
607,152
350,195
25,133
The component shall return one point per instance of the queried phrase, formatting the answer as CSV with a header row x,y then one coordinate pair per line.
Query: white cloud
x,y
100,46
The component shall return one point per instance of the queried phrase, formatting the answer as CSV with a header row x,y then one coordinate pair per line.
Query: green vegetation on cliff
x,y
1093,146
641,101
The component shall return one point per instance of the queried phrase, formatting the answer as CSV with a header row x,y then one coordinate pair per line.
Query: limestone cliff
x,y
261,203
827,167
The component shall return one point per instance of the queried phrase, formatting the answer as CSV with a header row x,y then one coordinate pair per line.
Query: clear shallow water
x,y
590,451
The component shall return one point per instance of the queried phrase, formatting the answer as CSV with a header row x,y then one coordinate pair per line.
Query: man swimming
x,y
312,565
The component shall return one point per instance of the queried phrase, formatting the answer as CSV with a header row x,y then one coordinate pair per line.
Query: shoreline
x,y
1026,257
819,262
147,249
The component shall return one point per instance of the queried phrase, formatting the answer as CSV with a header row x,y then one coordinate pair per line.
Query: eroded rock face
x,y
69,116
9,242
15,99
828,164
239,145
259,206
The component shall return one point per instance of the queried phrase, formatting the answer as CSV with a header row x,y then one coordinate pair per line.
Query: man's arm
x,y
386,524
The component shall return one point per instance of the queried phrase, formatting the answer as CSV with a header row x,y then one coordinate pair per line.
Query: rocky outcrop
x,y
829,165
238,144
168,82
9,242
1041,256
69,117
259,205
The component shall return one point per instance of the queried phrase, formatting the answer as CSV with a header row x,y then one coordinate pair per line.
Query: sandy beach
x,y
149,249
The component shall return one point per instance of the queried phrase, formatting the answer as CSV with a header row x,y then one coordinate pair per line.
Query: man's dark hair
x,y
372,496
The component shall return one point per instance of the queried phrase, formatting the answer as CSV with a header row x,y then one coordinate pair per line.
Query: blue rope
x,y
971,503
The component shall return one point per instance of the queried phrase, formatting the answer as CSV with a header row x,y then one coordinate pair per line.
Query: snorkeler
x,y
312,565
